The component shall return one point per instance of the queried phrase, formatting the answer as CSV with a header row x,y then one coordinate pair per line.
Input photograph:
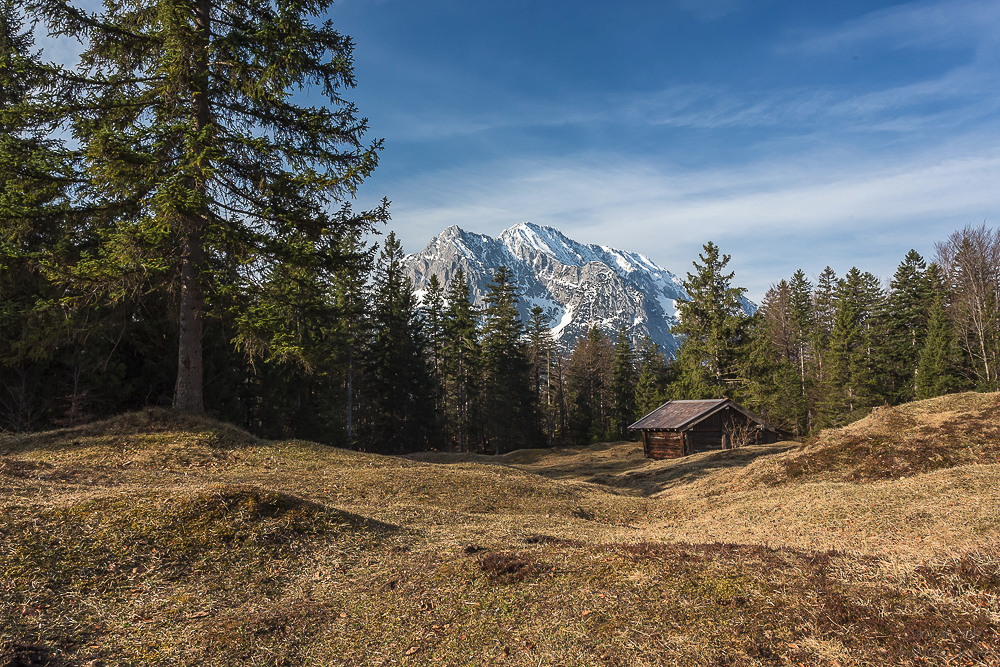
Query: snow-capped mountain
x,y
577,285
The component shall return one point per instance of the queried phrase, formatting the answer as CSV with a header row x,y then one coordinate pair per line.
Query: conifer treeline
x,y
856,344
374,368
819,355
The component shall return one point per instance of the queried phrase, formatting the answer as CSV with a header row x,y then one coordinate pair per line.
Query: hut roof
x,y
675,415
678,415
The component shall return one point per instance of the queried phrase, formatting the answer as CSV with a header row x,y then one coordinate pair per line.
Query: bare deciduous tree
x,y
970,262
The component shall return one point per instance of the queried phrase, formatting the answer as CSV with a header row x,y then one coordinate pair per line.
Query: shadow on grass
x,y
686,470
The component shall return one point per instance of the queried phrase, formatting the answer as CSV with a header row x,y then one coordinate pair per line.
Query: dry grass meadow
x,y
152,539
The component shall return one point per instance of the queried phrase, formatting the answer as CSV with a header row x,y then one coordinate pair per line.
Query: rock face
x,y
576,285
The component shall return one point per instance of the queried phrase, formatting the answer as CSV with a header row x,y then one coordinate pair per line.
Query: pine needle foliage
x,y
202,168
714,328
509,401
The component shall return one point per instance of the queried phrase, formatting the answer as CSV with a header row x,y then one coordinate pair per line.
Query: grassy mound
x,y
894,442
98,569
142,427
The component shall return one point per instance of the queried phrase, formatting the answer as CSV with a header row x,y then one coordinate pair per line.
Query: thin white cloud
x,y
704,107
948,22
773,217
477,107
955,97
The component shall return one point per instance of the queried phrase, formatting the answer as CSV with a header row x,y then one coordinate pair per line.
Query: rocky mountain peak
x,y
577,285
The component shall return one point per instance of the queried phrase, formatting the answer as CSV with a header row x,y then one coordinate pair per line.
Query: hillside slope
x,y
151,539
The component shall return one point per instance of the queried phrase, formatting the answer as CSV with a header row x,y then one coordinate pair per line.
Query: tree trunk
x,y
188,395
188,392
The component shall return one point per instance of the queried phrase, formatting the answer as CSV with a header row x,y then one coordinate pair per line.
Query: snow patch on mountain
x,y
577,285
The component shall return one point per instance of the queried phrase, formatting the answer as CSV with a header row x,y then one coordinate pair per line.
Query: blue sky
x,y
792,134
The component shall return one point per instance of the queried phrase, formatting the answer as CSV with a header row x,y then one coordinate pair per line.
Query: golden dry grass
x,y
154,539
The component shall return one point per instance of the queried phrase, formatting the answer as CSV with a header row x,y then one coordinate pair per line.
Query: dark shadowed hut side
x,y
680,428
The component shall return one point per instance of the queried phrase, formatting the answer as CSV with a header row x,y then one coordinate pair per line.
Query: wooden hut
x,y
680,428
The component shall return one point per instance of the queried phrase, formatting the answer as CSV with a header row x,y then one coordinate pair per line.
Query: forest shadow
x,y
653,477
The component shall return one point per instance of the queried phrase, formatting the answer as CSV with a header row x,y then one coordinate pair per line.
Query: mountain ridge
x,y
577,285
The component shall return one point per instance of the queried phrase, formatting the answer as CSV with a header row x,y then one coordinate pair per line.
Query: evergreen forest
x,y
177,230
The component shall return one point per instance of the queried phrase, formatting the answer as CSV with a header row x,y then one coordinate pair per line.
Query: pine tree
x,y
541,348
397,395
903,327
623,386
462,365
351,297
36,170
508,397
803,313
940,358
434,329
561,401
290,324
851,382
36,348
201,171
651,382
714,329
825,312
588,379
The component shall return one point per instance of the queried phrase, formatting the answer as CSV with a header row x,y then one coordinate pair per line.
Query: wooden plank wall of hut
x,y
768,437
706,435
663,444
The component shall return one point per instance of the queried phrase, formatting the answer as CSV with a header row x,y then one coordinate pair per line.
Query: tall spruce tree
x,y
202,170
397,392
851,378
433,308
291,323
35,185
508,397
940,358
589,379
803,319
541,348
903,328
825,310
714,328
351,297
652,380
623,384
560,400
462,365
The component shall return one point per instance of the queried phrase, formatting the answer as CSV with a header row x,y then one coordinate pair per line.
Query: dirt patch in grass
x,y
508,567
548,539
